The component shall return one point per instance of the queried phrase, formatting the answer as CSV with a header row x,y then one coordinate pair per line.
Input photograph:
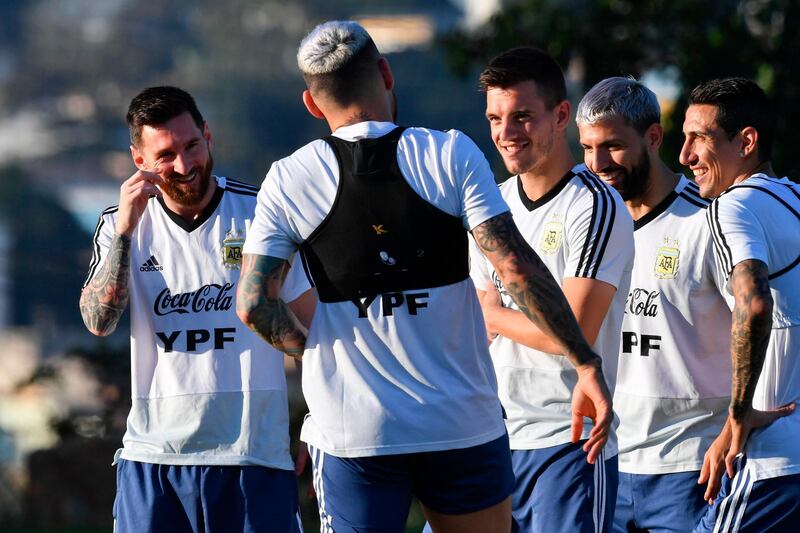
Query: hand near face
x,y
133,195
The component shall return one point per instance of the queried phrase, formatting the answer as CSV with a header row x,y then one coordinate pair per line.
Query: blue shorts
x,y
374,493
155,498
745,506
557,490
659,503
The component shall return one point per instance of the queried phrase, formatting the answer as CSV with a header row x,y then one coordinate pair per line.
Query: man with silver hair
x,y
397,375
673,380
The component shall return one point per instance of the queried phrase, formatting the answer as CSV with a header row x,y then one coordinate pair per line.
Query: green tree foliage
x,y
702,40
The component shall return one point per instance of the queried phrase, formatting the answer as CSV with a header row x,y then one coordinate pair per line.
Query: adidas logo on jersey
x,y
151,265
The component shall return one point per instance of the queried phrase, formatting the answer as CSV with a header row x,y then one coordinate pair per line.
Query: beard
x,y
185,194
634,181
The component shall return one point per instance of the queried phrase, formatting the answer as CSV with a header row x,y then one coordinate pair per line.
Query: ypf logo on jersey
x,y
232,248
667,262
551,237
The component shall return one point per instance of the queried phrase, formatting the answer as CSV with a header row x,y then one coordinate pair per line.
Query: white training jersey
x,y
580,228
409,372
759,218
674,378
205,389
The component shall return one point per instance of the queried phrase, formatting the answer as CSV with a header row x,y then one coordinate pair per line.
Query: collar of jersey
x,y
364,130
530,205
187,225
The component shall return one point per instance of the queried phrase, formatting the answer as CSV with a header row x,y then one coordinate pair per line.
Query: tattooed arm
x,y
259,306
105,297
532,287
539,297
751,327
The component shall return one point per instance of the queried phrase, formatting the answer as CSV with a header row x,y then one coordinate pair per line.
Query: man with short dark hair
x,y
397,376
755,223
579,227
207,442
673,383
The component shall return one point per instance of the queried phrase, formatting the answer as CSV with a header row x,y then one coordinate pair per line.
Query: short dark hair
x,y
526,63
740,103
158,105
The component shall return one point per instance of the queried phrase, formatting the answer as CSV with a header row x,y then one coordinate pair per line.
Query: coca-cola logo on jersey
x,y
642,302
211,297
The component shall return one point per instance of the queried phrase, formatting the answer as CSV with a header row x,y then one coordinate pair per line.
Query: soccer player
x,y
673,382
397,375
207,443
581,230
755,224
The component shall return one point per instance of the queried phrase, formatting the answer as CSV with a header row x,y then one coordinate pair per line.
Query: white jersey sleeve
x,y
598,236
738,234
478,269
101,242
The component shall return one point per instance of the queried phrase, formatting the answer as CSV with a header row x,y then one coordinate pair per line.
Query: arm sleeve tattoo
x,y
260,308
751,327
532,286
105,297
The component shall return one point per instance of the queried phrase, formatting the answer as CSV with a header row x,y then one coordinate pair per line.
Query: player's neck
x,y
191,213
540,179
662,181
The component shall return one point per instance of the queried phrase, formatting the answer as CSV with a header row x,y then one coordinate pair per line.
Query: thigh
x,y
463,481
153,498
668,503
557,490
624,521
249,499
364,494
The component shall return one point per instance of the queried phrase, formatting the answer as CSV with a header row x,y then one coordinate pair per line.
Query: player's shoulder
x,y
238,188
587,188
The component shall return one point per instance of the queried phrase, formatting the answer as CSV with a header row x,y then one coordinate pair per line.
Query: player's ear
x,y
749,143
138,158
562,111
386,73
654,136
311,105
207,135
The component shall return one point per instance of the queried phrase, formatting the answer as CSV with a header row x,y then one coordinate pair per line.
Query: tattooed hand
x,y
105,297
133,195
259,307
751,328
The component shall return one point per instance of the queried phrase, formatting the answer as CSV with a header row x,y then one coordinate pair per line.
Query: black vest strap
x,y
380,236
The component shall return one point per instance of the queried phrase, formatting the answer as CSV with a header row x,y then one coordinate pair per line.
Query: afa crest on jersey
x,y
552,235
667,262
232,248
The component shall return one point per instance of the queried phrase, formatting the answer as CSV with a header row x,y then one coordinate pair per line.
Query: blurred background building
x,y
69,68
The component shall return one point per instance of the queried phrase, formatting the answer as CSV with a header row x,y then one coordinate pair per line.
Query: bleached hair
x,y
620,97
330,46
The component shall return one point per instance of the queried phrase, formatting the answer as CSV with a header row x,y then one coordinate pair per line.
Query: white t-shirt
x,y
579,229
403,379
759,218
674,379
205,389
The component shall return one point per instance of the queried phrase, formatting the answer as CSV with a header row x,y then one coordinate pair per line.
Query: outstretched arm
x,y
259,306
539,297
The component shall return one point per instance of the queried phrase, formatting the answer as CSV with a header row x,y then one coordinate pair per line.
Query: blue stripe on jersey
x,y
600,227
244,192
240,184
96,245
694,201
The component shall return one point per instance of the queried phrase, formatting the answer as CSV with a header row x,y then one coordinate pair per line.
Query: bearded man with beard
x,y
207,440
673,384
579,227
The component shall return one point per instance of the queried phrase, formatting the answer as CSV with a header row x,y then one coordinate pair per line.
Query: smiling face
x,y
180,153
617,153
714,159
523,128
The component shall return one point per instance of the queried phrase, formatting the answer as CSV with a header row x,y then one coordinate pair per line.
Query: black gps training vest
x,y
380,236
